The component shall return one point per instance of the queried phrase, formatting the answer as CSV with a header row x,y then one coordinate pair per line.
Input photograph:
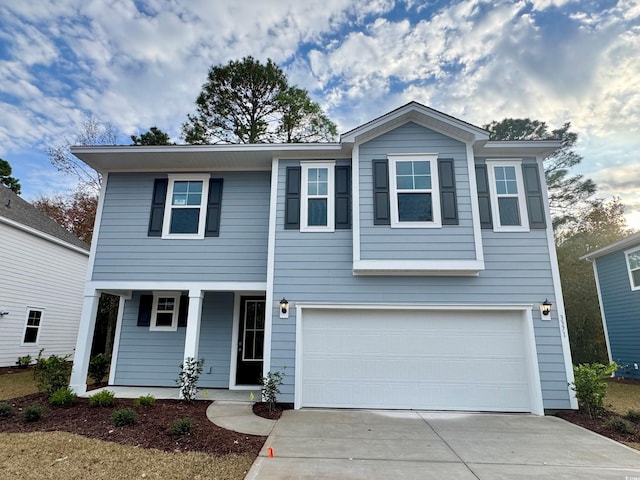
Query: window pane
x,y
164,319
415,207
248,345
509,211
184,220
634,260
322,174
34,318
636,278
179,199
180,187
422,168
260,315
317,213
322,188
31,335
259,353
404,182
422,181
312,174
250,316
510,173
194,198
166,304
404,168
313,188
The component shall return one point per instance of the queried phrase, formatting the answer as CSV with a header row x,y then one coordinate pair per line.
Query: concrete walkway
x,y
239,417
374,445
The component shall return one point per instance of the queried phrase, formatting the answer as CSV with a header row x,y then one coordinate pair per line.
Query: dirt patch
x,y
152,429
601,425
262,410
11,370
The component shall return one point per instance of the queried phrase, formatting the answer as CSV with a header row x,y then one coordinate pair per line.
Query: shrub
x,y
621,425
6,410
589,387
182,426
190,372
64,396
633,415
144,401
105,398
24,362
270,387
99,366
124,416
32,413
51,373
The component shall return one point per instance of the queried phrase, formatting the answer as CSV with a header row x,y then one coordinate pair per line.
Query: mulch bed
x,y
600,424
152,429
262,410
10,370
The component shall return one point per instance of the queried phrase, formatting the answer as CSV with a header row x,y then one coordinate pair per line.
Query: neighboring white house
x,y
41,282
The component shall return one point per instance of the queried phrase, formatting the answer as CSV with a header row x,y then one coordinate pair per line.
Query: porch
x,y
172,393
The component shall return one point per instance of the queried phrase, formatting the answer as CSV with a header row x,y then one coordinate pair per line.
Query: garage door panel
x,y
414,359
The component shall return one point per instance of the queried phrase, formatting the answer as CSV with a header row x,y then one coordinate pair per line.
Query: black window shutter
x,y
343,196
183,311
484,201
381,210
214,207
145,305
157,207
448,202
292,200
533,190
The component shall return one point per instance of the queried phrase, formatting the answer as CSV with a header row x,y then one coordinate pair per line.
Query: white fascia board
x,y
355,201
456,268
44,236
630,241
475,207
127,286
417,306
517,148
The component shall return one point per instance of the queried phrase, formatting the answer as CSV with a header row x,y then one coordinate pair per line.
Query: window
x,y
633,265
507,196
317,212
253,331
32,327
415,199
164,315
185,207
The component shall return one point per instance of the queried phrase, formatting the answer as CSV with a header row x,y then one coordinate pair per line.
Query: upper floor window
x,y
633,266
185,207
317,210
507,195
414,192
32,327
164,315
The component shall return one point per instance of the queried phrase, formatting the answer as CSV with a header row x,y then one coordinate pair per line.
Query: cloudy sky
x,y
141,63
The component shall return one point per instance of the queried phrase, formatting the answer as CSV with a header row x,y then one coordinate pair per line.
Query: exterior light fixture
x,y
545,309
3,313
284,308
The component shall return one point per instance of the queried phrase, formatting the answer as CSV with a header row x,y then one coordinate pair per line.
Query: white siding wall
x,y
38,273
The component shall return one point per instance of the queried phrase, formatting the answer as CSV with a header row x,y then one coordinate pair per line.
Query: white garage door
x,y
410,359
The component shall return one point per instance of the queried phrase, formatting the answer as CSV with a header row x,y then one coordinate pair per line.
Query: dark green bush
x,y
633,415
621,425
99,367
144,401
589,385
182,426
51,373
105,398
270,387
6,410
32,413
63,396
124,416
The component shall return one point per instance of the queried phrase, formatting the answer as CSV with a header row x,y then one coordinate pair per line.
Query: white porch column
x,y
192,335
81,356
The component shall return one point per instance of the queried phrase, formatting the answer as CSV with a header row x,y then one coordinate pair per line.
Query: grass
x,y
17,385
54,455
622,397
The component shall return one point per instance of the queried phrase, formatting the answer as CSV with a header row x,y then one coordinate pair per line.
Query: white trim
x,y
86,327
153,327
432,158
525,316
235,332
557,289
209,148
26,321
418,267
44,236
355,201
304,196
475,207
602,315
629,271
169,207
116,340
127,286
516,163
192,332
96,227
631,240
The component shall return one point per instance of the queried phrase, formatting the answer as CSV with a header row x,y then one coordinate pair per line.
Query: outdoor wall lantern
x,y
284,308
3,313
545,308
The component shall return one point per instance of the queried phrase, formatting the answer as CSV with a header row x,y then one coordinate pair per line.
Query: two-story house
x,y
411,265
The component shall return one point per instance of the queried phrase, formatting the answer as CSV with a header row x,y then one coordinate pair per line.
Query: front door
x,y
250,341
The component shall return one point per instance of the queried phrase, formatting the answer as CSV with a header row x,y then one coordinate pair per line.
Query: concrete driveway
x,y
345,444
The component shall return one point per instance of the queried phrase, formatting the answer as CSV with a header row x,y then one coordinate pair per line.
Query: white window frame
x,y
304,197
26,325
522,201
629,270
432,158
154,312
168,207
